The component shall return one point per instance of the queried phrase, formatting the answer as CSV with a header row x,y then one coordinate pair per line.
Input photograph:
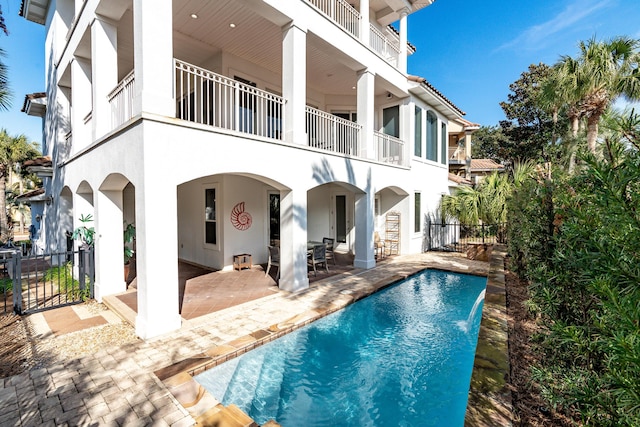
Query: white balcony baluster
x,y
332,133
205,97
384,46
389,149
341,12
121,101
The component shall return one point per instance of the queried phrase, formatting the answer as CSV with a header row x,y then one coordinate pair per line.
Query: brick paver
x,y
116,386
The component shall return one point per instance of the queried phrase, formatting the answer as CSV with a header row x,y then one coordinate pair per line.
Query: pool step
x,y
229,416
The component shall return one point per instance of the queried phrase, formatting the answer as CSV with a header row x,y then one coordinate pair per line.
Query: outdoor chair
x,y
274,260
318,256
328,243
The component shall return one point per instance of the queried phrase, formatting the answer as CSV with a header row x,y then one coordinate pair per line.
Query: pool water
x,y
400,357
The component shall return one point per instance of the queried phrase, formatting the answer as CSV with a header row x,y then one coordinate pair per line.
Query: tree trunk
x,y
592,132
4,229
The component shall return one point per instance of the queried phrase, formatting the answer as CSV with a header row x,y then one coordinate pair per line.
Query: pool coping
x,y
205,409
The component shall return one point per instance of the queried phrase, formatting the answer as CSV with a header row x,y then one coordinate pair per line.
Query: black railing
x,y
456,237
41,282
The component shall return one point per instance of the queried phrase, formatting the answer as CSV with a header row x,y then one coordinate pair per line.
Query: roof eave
x,y
35,10
445,107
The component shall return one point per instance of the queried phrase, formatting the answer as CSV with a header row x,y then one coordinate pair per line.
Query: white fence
x,y
332,133
385,47
389,149
205,97
341,12
121,101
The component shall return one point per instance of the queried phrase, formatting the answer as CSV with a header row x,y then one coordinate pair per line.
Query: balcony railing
x,y
121,100
332,133
389,149
385,47
457,154
208,98
341,12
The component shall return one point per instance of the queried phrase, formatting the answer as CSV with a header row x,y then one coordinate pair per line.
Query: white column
x,y
402,59
365,252
109,244
157,256
293,240
365,110
294,83
365,26
153,57
80,102
104,69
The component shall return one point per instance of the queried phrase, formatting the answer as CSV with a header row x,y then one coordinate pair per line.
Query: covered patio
x,y
204,291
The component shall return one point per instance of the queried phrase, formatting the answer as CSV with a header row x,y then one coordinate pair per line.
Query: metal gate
x,y
42,282
456,237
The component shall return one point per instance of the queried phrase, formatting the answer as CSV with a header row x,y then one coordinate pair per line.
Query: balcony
x,y
348,18
340,12
389,149
332,133
121,101
457,155
205,97
211,99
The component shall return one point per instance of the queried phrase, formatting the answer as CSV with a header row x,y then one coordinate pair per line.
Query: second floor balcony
x,y
207,98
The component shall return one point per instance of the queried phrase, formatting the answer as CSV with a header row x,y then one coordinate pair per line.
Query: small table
x,y
241,261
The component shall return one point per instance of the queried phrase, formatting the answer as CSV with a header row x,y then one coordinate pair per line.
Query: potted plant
x,y
84,233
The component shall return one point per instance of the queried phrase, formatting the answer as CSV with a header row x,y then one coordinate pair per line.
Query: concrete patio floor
x,y
117,385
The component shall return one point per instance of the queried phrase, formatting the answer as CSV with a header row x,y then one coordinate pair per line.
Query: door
x,y
341,223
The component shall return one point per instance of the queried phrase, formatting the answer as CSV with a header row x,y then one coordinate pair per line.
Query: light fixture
x,y
389,95
49,200
194,16
232,25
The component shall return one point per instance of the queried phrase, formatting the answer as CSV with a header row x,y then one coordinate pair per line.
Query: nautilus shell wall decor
x,y
239,218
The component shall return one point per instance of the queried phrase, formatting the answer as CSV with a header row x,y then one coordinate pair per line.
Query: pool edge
x,y
205,409
490,399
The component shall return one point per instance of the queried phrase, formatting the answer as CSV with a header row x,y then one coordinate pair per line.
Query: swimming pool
x,y
400,357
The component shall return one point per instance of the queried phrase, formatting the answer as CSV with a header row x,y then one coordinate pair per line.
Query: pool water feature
x,y
400,357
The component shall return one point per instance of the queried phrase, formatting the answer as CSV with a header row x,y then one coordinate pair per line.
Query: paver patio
x,y
117,385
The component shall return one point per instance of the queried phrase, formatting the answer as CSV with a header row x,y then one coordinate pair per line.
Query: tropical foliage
x,y
576,238
13,151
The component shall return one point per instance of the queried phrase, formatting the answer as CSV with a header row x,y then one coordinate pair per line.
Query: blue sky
x,y
470,50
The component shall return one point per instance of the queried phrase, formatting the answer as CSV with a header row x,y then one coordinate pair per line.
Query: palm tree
x,y
13,150
487,202
5,93
587,85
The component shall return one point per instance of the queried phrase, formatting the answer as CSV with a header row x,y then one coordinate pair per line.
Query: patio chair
x,y
274,260
318,256
328,243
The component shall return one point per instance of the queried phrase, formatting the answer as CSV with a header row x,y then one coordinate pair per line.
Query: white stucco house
x,y
220,126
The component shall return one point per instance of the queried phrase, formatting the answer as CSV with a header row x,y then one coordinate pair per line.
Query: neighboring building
x,y
480,168
220,127
459,148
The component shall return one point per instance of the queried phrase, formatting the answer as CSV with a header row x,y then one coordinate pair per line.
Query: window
x,y
391,121
274,218
418,213
443,143
210,221
417,147
432,136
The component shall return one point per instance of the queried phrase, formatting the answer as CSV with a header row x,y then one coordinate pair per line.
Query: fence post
x,y
16,267
92,271
429,234
81,269
483,233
